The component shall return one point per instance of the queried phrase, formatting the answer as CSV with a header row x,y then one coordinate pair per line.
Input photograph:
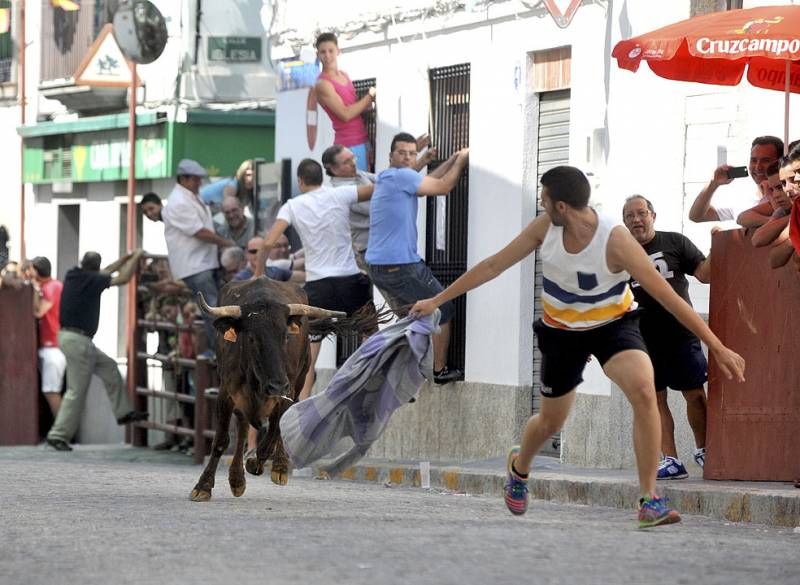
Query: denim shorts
x,y
409,283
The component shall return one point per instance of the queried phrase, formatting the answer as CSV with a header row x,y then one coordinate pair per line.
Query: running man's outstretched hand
x,y
423,308
730,362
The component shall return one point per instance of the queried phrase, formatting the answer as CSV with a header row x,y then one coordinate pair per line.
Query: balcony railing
x,y
67,36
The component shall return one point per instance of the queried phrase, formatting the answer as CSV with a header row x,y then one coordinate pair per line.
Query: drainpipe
x,y
131,245
22,102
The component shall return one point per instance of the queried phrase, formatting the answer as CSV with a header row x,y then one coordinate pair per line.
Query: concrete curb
x,y
771,504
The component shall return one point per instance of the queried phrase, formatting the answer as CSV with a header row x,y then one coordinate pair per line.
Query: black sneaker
x,y
132,417
446,375
58,444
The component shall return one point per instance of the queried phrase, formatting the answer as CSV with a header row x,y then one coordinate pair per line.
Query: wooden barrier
x,y
204,376
19,383
754,427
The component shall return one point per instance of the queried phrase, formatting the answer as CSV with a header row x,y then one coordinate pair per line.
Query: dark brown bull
x,y
262,356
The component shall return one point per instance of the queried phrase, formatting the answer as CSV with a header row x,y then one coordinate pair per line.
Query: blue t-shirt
x,y
212,193
272,272
393,218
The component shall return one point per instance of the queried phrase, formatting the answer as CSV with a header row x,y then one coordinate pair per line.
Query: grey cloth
x,y
380,377
359,212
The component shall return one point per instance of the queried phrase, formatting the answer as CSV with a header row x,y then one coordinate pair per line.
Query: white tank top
x,y
579,291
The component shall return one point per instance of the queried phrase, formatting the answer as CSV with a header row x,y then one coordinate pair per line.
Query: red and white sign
x,y
562,17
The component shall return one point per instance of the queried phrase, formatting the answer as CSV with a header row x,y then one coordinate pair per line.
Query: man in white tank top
x,y
587,262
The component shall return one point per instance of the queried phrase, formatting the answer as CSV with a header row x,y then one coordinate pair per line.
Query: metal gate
x,y
370,116
552,150
447,217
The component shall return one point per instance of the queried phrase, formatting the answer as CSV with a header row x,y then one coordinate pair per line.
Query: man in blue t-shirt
x,y
393,262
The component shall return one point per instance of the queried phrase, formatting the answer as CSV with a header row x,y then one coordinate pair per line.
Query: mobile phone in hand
x,y
736,172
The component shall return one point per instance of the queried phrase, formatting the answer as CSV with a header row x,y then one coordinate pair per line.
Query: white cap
x,y
191,167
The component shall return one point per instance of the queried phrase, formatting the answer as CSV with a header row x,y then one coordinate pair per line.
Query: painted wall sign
x,y
234,49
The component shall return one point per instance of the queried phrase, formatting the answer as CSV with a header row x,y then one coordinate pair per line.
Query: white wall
x,y
643,117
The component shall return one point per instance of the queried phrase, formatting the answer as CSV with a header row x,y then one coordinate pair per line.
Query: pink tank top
x,y
349,133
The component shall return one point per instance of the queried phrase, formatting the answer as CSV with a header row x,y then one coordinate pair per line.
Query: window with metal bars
x,y
369,116
6,42
447,217
67,35
699,7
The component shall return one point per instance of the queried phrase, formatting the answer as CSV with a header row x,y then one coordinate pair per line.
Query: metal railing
x,y
67,35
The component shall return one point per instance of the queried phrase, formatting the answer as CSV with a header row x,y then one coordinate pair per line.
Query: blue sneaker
x,y
671,468
516,488
653,511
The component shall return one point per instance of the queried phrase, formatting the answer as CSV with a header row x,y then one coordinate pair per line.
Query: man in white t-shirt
x,y
321,217
191,240
764,151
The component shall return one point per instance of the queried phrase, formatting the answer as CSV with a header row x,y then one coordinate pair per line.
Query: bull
x,y
262,328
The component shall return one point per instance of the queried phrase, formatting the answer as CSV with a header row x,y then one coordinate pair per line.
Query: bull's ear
x,y
293,325
222,324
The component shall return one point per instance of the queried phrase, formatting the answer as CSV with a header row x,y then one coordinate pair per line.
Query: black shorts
x,y
565,353
340,293
679,365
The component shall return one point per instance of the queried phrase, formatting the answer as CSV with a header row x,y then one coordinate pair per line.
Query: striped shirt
x,y
579,291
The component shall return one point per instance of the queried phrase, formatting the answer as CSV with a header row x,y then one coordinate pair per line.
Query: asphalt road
x,y
116,516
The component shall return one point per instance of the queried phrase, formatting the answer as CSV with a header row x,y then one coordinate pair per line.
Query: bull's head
x,y
264,342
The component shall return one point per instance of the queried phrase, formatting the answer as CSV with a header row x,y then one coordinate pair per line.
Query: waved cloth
x,y
794,225
381,376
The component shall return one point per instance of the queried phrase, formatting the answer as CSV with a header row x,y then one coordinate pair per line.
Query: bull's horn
x,y
309,311
226,311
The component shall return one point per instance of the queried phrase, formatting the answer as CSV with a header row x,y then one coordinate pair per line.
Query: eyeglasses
x,y
252,251
642,214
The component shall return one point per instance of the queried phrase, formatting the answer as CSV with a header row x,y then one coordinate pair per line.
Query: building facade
x,y
528,94
209,97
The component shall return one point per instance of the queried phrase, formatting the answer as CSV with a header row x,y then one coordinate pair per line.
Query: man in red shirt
x,y
52,362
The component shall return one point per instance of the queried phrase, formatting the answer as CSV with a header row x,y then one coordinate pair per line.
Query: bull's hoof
x,y
238,490
279,476
199,495
252,466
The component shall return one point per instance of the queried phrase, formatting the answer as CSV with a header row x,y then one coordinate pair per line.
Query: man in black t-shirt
x,y
678,360
80,315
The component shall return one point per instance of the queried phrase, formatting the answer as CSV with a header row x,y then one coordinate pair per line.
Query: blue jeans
x,y
360,151
407,284
206,283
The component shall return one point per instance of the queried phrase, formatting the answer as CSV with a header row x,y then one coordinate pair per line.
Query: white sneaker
x,y
700,456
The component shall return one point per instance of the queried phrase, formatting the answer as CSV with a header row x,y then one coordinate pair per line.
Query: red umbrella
x,y
717,48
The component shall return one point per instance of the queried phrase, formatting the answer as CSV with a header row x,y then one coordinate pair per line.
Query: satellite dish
x,y
140,30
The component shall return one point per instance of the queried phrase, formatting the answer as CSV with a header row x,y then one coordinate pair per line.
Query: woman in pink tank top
x,y
337,96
